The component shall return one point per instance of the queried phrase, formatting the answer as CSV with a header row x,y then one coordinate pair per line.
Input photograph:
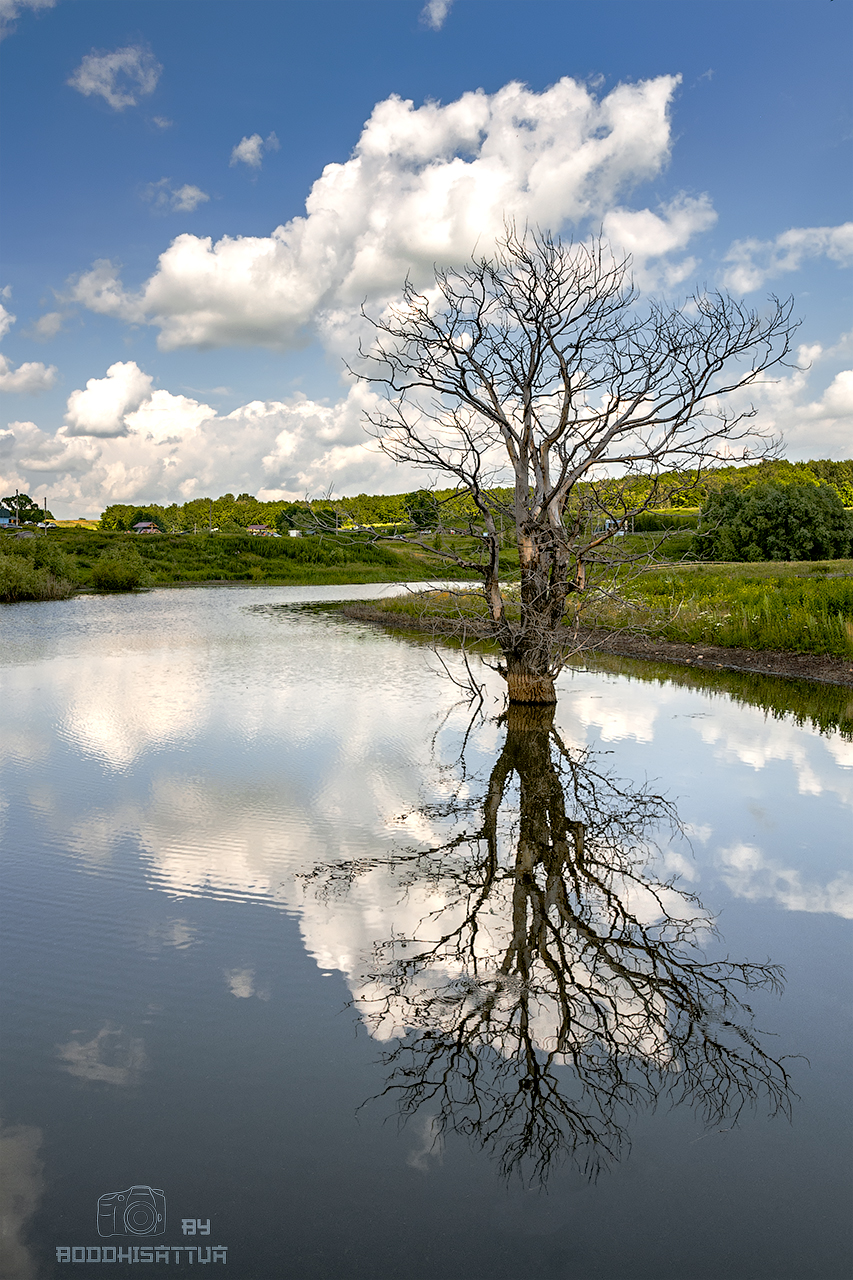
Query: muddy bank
x,y
797,666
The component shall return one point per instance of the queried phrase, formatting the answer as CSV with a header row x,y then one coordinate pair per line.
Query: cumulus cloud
x,y
6,317
434,12
650,238
10,10
250,150
100,409
754,262
813,424
28,379
424,185
165,198
125,442
121,78
101,290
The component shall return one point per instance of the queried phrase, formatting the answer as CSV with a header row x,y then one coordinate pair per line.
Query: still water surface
x,y
297,948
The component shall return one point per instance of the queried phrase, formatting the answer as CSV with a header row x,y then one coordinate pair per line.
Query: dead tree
x,y
541,367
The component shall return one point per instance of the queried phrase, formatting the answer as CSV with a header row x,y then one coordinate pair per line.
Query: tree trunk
x,y
526,685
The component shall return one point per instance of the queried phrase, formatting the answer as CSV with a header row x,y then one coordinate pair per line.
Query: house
x,y
7,518
259,530
145,526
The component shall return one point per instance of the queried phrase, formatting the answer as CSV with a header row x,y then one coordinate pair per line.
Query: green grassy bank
x,y
50,566
799,608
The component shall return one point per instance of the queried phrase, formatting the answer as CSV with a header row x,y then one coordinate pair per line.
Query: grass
x,y
797,608
800,607
172,560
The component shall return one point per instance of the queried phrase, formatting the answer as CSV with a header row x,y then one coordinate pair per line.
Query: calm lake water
x,y
312,972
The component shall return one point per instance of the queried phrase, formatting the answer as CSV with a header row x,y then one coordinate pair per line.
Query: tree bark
x,y
526,685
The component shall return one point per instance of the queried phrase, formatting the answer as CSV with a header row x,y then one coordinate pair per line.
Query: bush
x,y
22,579
657,521
119,569
775,522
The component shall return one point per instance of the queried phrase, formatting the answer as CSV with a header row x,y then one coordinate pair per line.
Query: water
x,y
252,914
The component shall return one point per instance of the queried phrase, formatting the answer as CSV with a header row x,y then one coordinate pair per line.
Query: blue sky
x,y
146,362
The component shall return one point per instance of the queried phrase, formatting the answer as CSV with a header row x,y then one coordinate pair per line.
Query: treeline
x,y
428,508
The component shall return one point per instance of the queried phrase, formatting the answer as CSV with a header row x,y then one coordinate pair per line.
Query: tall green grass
x,y
784,612
22,579
792,609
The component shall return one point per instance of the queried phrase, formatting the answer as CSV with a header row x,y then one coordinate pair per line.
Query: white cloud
x,y
162,122
754,262
28,379
6,319
820,427
121,78
48,325
250,150
101,290
168,199
434,12
167,417
424,185
100,409
651,238
125,442
10,10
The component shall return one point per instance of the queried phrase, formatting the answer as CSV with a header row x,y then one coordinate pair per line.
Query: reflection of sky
x,y
237,748
21,1190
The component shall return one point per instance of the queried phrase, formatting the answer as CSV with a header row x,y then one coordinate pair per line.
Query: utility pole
x,y
210,515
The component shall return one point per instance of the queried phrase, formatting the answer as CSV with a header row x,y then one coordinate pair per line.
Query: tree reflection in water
x,y
557,980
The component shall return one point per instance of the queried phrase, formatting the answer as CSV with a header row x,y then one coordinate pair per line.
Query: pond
x,y
315,969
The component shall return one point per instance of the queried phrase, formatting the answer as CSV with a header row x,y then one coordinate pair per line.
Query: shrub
x,y
119,569
22,579
775,522
656,521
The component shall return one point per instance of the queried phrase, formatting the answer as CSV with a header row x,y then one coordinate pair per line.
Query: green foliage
x,y
422,508
775,522
675,492
658,521
29,512
35,569
116,517
752,608
119,568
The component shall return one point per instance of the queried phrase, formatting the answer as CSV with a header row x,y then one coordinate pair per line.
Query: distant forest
x,y
232,515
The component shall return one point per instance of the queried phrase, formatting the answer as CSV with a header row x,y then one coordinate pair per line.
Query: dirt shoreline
x,y
821,668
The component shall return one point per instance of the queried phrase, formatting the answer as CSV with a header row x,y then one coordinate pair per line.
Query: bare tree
x,y
540,366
